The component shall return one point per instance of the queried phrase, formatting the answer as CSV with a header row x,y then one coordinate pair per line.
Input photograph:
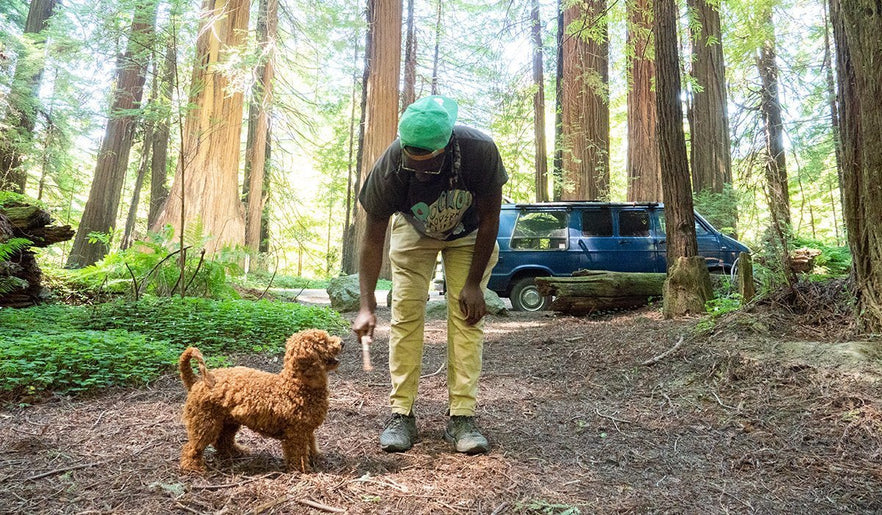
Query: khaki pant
x,y
413,259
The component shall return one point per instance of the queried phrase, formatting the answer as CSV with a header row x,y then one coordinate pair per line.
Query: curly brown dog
x,y
288,406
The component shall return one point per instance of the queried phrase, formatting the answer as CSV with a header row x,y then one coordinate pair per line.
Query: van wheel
x,y
525,296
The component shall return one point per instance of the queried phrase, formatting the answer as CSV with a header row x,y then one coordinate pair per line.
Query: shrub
x,y
215,326
79,361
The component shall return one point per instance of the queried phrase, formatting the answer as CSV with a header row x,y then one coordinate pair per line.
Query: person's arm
x,y
471,299
369,262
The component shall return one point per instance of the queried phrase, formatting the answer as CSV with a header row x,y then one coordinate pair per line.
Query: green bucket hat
x,y
428,123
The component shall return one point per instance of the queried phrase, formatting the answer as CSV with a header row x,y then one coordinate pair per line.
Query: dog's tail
x,y
187,375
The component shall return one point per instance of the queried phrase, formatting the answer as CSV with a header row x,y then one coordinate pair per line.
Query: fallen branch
x,y
320,506
664,354
65,469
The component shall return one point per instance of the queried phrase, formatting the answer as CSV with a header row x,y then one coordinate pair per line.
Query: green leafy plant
x,y
215,326
149,267
79,361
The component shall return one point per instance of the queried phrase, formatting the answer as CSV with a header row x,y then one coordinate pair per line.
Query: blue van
x,y
558,238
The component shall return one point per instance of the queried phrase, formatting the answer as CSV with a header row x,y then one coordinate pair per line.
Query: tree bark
x,y
159,154
592,290
585,105
773,124
102,206
644,170
258,124
541,157
711,161
381,109
408,94
205,189
856,28
17,130
687,287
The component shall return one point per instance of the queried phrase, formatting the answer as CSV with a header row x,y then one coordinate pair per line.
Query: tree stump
x,y
745,278
597,290
20,277
687,288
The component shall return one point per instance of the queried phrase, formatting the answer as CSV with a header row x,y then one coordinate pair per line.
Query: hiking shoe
x,y
464,435
399,433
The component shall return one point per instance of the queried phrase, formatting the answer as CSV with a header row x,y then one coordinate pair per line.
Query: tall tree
x,y
408,93
205,188
99,215
161,133
644,170
711,159
687,287
773,125
585,104
857,25
541,159
381,90
16,131
258,123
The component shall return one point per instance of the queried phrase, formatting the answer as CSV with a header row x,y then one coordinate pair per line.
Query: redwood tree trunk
x,y
711,161
159,155
585,106
16,132
205,189
644,170
541,158
102,206
856,28
381,108
688,284
258,124
770,107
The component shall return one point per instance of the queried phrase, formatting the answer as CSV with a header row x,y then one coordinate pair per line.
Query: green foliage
x,y
76,349
215,326
74,362
720,209
157,271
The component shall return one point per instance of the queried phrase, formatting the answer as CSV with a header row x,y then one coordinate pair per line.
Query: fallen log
x,y
598,290
20,276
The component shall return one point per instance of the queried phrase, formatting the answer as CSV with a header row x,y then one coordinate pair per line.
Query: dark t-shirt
x,y
442,207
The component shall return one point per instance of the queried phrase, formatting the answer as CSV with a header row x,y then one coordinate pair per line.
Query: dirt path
x,y
747,419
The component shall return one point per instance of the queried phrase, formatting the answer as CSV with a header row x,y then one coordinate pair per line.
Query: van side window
x,y
700,230
536,230
633,223
597,222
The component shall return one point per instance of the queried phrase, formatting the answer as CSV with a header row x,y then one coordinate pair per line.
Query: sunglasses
x,y
423,157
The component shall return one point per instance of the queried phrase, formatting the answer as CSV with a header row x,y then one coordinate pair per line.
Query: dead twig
x,y
320,506
435,372
65,469
664,354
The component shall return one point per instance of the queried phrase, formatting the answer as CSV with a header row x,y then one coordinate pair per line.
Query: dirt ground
x,y
764,413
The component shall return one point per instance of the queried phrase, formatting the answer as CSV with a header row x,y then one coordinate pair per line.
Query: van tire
x,y
525,296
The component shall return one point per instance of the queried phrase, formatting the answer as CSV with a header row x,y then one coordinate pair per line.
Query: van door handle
x,y
662,242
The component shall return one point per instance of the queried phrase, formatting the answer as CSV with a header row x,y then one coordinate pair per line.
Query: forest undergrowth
x,y
775,408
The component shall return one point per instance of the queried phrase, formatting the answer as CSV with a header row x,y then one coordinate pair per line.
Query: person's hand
x,y
364,323
472,304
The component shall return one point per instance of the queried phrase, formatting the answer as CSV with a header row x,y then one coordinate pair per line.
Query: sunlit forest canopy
x,y
64,78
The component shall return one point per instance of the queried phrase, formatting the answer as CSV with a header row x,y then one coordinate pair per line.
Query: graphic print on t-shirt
x,y
444,216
